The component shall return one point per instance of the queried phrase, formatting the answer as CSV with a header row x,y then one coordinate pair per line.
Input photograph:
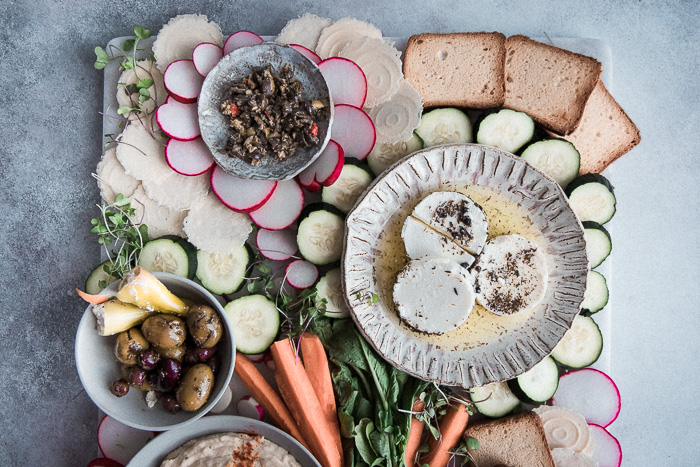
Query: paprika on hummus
x,y
229,450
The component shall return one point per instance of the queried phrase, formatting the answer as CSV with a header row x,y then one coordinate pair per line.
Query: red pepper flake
x,y
314,130
235,111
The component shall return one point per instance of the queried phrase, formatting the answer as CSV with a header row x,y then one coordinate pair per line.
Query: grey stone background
x,y
50,142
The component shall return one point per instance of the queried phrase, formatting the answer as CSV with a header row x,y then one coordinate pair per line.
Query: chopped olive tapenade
x,y
268,117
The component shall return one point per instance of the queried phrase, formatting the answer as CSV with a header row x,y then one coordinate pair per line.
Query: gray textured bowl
x,y
98,368
487,348
236,66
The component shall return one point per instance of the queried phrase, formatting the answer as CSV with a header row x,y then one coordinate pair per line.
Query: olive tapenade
x,y
268,117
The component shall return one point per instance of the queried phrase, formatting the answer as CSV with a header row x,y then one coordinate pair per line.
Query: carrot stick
x,y
316,365
414,435
451,425
94,299
271,403
298,393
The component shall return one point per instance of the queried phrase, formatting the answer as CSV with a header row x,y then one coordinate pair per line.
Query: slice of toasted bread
x,y
457,70
605,132
550,84
516,441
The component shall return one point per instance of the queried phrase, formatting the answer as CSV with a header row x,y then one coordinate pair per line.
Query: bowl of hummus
x,y
224,440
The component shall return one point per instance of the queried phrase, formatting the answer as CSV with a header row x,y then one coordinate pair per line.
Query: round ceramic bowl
x,y
234,67
157,449
98,367
517,198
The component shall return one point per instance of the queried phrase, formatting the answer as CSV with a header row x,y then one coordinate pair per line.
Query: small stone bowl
x,y
234,67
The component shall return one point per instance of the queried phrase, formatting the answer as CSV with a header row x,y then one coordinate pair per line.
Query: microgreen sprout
x,y
102,57
368,298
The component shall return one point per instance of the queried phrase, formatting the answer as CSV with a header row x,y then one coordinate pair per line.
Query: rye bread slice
x,y
518,440
458,69
605,132
550,84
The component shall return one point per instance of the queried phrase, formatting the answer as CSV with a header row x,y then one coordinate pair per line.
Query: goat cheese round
x,y
421,241
511,275
434,295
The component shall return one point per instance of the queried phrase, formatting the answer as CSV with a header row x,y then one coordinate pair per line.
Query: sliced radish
x,y
310,54
256,358
607,452
178,120
277,245
182,81
313,186
104,462
325,169
353,130
188,157
120,442
241,194
591,393
205,57
249,407
283,207
241,39
301,274
223,403
269,361
346,81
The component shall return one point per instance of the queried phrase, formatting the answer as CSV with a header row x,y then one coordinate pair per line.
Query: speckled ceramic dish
x,y
517,199
98,368
234,67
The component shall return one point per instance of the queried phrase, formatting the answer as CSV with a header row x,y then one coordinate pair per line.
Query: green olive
x,y
195,387
204,325
129,344
176,353
164,331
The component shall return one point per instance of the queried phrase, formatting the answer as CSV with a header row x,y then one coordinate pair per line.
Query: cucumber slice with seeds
x,y
537,384
581,345
344,192
384,154
320,234
506,129
98,274
598,243
494,400
596,296
224,273
592,198
444,126
255,322
555,157
167,254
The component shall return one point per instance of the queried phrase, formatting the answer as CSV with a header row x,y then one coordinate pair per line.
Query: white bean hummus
x,y
229,450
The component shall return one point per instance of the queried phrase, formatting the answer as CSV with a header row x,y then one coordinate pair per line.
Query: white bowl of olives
x,y
155,357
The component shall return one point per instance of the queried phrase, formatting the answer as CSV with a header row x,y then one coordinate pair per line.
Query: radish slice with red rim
x,y
241,194
607,452
241,39
104,462
313,186
269,361
310,54
205,57
188,157
301,274
353,130
120,442
182,81
178,120
346,81
283,207
256,358
326,168
277,245
591,393
249,407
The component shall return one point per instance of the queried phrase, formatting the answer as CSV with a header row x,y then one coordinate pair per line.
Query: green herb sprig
x,y
102,57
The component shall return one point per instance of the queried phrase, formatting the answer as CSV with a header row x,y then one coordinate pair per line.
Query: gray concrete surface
x,y
50,133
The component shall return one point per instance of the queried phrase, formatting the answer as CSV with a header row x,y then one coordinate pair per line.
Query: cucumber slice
x,y
592,198
596,296
330,289
555,157
537,384
223,273
345,191
255,322
506,129
494,400
598,243
320,234
581,345
98,274
445,126
165,254
384,154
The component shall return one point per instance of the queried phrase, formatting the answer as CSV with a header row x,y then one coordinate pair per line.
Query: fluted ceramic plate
x,y
517,198
233,68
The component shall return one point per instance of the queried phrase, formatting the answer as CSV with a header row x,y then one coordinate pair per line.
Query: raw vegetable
x,y
301,274
174,255
316,365
222,273
591,393
581,345
348,187
277,245
596,296
104,462
249,407
178,120
506,129
555,157
310,54
241,194
120,442
182,81
271,403
451,426
494,400
93,299
415,434
320,234
538,384
98,279
298,393
329,288
325,170
141,288
598,243
188,157
444,126
346,81
353,129
241,39
383,154
283,207
607,452
205,57
592,198
255,323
